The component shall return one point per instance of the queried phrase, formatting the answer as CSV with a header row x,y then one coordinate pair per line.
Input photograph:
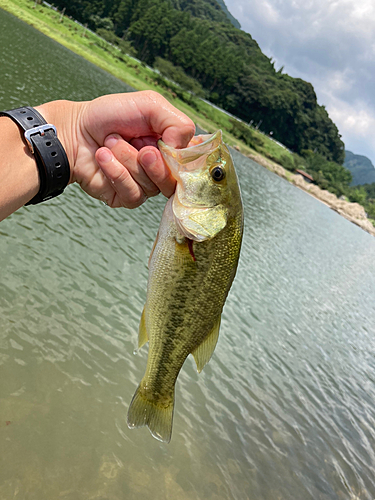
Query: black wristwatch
x,y
50,156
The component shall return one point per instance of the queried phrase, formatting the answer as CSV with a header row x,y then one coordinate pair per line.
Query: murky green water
x,y
284,410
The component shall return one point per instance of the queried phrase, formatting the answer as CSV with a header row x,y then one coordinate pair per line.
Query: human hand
x,y
111,143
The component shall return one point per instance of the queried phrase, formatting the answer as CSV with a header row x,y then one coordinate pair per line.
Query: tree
x,y
196,36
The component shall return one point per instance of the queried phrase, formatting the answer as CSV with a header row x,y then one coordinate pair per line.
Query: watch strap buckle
x,y
41,129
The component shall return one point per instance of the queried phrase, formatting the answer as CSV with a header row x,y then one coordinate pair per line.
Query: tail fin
x,y
156,417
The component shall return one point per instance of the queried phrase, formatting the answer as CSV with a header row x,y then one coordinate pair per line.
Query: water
x,y
285,408
35,69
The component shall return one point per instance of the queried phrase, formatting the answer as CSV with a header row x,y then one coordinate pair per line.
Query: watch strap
x,y
51,159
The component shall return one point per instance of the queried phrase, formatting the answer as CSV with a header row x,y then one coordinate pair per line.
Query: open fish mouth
x,y
193,157
196,217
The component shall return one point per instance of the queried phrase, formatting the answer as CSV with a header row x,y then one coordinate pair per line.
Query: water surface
x,y
285,408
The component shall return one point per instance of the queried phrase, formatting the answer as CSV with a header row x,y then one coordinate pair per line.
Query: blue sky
x,y
330,43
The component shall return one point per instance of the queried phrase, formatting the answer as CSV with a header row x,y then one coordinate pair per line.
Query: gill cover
x,y
198,213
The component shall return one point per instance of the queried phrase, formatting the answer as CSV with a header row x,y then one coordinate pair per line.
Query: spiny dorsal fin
x,y
204,351
142,333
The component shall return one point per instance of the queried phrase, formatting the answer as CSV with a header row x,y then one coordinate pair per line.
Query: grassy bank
x,y
88,45
249,141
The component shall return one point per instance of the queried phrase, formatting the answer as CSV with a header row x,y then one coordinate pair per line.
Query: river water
x,y
285,408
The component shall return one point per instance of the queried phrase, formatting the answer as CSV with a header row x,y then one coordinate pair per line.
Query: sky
x,y
329,43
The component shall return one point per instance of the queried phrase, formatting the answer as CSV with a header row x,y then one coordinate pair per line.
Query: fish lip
x,y
190,158
210,138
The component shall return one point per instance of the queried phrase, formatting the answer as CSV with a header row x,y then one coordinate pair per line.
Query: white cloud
x,y
355,119
269,13
330,43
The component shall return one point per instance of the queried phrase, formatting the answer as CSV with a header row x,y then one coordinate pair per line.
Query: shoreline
x,y
353,212
136,76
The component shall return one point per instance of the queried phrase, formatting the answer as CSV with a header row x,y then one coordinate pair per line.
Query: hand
x,y
111,143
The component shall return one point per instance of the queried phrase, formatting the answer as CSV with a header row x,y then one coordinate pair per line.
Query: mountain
x,y
199,37
213,10
361,168
232,19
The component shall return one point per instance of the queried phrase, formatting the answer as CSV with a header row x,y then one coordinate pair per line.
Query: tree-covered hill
x,y
198,37
206,9
232,19
361,168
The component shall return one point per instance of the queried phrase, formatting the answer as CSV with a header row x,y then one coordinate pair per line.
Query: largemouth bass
x,y
191,269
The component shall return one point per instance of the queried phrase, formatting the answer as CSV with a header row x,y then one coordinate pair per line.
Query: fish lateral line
x,y
190,246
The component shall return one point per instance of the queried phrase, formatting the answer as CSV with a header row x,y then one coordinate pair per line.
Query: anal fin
x,y
202,354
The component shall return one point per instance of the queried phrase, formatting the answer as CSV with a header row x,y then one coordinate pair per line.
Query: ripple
x,y
283,410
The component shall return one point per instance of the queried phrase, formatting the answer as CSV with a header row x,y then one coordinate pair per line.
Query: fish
x,y
191,268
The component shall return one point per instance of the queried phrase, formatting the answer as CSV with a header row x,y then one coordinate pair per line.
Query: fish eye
x,y
218,174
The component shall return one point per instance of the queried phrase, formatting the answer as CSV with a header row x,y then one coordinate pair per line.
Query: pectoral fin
x,y
142,334
204,351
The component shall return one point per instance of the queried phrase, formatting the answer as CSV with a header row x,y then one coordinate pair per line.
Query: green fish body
x,y
191,269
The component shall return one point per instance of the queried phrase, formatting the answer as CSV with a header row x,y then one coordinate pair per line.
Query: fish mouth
x,y
195,219
192,157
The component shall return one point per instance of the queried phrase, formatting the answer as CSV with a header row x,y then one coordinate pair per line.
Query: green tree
x,y
178,75
358,195
104,23
107,35
196,36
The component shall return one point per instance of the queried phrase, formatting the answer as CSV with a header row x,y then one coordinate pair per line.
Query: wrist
x,y
47,150
63,115
18,169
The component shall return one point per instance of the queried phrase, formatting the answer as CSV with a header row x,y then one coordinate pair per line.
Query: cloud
x,y
330,43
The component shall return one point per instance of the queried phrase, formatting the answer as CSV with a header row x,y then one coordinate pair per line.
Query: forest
x,y
198,37
197,46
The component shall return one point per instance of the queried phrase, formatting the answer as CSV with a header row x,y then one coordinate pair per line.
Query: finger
x,y
129,194
175,128
141,142
151,160
127,155
137,114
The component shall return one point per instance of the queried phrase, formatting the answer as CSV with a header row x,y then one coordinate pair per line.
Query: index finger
x,y
138,114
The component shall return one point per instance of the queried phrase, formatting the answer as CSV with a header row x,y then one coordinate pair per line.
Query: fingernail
x,y
148,159
104,155
110,141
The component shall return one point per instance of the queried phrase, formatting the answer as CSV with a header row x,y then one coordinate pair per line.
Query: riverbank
x,y
353,212
134,73
83,42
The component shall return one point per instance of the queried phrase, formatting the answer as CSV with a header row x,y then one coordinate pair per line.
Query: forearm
x,y
19,179
111,145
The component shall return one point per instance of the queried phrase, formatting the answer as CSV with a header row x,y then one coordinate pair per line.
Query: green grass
x,y
274,150
137,75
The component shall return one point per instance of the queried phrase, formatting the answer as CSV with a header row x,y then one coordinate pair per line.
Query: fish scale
x,y
191,269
